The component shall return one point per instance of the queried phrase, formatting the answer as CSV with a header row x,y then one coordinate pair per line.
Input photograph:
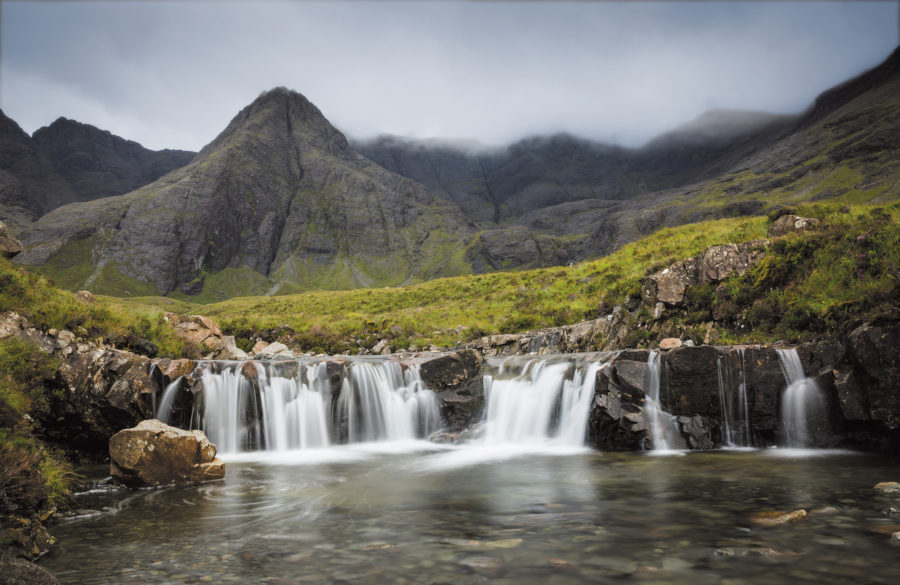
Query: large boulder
x,y
451,371
155,454
199,332
714,264
9,244
616,421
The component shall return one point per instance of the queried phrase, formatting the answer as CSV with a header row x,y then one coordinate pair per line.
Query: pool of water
x,y
419,514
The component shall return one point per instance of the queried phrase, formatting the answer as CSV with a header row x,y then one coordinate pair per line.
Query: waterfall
x,y
381,401
733,401
286,405
164,410
663,426
801,401
548,402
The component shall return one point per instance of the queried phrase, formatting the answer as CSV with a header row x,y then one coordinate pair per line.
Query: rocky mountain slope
x,y
279,197
68,161
280,201
546,201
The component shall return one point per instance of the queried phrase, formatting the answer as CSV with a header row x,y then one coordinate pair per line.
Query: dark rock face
x,y
690,381
95,163
279,193
15,571
616,422
456,378
67,162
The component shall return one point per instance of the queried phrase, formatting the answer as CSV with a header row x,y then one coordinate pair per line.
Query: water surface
x,y
421,514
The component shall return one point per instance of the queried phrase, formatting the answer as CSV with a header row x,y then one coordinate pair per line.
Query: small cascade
x,y
547,402
382,402
286,405
163,411
735,406
801,402
664,428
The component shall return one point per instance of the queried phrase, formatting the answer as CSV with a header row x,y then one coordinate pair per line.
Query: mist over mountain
x,y
281,201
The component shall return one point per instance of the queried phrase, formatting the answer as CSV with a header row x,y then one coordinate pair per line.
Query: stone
x,y
451,371
668,286
717,263
789,224
382,348
15,571
670,343
769,519
85,297
895,538
200,332
259,347
155,454
231,351
487,566
273,350
888,488
9,244
691,382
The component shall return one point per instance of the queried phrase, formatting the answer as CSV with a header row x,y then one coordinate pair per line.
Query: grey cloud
x,y
173,74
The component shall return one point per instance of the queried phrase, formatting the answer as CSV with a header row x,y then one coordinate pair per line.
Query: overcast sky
x,y
172,74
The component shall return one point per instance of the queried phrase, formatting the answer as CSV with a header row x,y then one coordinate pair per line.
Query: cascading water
x,y
548,402
663,426
164,410
733,401
286,405
801,401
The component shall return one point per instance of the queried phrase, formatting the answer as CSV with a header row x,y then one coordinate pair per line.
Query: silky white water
x,y
801,401
733,401
664,428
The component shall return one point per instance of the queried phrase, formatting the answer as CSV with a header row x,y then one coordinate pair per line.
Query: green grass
x,y
36,298
451,310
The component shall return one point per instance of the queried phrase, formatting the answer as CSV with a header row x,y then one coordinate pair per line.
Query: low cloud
x,y
173,74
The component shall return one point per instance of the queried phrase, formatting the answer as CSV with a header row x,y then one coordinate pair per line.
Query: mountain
x,y
67,162
278,199
552,200
96,163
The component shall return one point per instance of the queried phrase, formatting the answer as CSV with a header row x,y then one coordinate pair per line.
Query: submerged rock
x,y
155,454
779,518
15,571
888,488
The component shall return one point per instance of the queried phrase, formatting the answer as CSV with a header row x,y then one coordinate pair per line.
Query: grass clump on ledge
x,y
48,307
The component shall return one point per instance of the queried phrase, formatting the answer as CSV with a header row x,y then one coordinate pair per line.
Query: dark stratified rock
x,y
456,379
451,371
616,421
155,454
690,384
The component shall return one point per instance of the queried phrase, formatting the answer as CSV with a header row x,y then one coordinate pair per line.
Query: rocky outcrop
x,y
713,265
791,224
456,377
155,454
100,389
9,244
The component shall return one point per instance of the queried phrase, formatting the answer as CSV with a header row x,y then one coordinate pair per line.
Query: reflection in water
x,y
382,515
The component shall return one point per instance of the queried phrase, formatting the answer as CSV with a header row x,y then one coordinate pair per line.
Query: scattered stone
x,y
779,518
154,454
505,543
670,343
86,297
888,488
788,224
259,347
274,350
